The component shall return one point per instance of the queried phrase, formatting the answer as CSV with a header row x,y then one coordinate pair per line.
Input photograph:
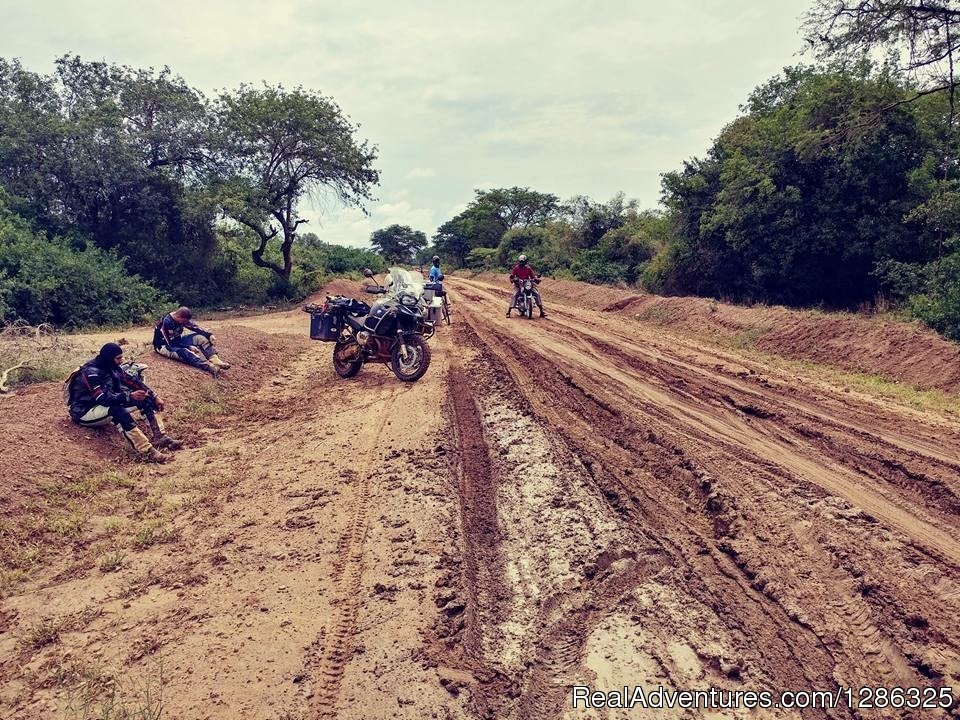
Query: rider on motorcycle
x,y
522,271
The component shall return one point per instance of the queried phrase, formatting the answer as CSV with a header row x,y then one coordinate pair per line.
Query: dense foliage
x,y
142,183
836,186
44,279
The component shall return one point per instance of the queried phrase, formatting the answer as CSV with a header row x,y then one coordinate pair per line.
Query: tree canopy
x,y
275,146
398,243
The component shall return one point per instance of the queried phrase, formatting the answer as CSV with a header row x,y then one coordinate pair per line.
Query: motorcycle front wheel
x,y
417,361
346,357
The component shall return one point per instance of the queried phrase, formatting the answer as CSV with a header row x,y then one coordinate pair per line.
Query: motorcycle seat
x,y
354,322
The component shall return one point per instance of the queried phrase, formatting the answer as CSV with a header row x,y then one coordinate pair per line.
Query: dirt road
x,y
578,500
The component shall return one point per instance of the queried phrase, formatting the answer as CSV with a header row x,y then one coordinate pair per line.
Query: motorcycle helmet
x,y
436,258
522,259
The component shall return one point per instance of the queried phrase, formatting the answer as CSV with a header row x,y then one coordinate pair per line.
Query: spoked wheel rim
x,y
413,362
415,365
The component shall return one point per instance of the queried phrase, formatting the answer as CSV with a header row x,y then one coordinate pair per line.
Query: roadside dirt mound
x,y
901,351
349,288
43,446
906,352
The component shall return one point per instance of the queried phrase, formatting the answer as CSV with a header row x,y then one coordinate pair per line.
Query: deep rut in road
x,y
762,535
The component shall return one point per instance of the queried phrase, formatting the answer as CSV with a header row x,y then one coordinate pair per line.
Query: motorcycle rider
x,y
522,271
436,275
194,347
101,392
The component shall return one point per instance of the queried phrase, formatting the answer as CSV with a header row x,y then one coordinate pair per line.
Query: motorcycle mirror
x,y
367,272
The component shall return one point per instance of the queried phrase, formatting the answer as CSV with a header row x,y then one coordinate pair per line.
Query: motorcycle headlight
x,y
408,300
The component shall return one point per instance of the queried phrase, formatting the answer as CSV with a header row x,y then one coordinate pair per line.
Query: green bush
x,y
49,280
482,258
595,266
939,305
931,290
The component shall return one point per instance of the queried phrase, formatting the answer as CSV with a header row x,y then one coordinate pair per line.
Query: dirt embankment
x,y
901,351
588,499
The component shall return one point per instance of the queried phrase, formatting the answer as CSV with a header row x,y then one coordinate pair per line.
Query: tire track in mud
x,y
817,591
805,460
337,642
551,626
569,409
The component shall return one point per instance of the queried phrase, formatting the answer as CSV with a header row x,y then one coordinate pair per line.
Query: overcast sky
x,y
562,96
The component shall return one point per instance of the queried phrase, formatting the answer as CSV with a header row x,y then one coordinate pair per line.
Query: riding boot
x,y
222,364
542,312
148,453
160,438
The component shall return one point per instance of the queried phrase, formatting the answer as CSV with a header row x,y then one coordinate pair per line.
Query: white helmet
x,y
522,258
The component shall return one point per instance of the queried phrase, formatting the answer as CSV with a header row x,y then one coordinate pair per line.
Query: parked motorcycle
x,y
525,301
392,330
435,298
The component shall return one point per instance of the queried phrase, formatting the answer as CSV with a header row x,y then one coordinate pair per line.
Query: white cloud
x,y
562,96
418,173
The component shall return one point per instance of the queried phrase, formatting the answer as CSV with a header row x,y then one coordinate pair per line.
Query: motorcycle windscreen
x,y
400,281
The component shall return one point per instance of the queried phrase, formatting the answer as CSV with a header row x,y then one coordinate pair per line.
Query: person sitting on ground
x,y
522,271
194,348
436,275
101,392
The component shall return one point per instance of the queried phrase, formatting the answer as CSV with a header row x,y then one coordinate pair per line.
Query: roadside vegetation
x,y
123,190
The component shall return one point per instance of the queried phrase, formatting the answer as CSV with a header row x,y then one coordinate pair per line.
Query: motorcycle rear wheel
x,y
416,365
344,366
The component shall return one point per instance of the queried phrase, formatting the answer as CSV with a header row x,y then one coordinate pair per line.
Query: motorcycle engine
x,y
363,337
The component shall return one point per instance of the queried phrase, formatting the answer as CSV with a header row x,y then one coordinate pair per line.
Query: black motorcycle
x,y
392,330
525,301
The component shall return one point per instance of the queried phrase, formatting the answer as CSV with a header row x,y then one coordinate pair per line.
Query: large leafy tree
x,y
274,147
491,214
110,154
777,211
398,243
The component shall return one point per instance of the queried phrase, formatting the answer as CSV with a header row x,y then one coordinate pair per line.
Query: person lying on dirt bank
x,y
101,392
522,271
194,347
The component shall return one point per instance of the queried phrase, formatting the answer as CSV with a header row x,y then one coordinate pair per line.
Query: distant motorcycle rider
x,y
194,347
101,392
522,271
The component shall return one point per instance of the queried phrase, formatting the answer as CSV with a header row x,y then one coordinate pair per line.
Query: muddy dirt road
x,y
578,500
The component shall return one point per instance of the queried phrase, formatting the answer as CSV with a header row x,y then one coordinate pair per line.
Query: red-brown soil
x,y
594,498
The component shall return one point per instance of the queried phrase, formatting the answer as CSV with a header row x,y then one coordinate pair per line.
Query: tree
x,y
112,154
773,213
477,226
489,216
593,220
276,146
398,243
924,33
518,207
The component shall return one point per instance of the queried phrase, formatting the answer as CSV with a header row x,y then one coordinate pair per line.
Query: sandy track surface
x,y
581,499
